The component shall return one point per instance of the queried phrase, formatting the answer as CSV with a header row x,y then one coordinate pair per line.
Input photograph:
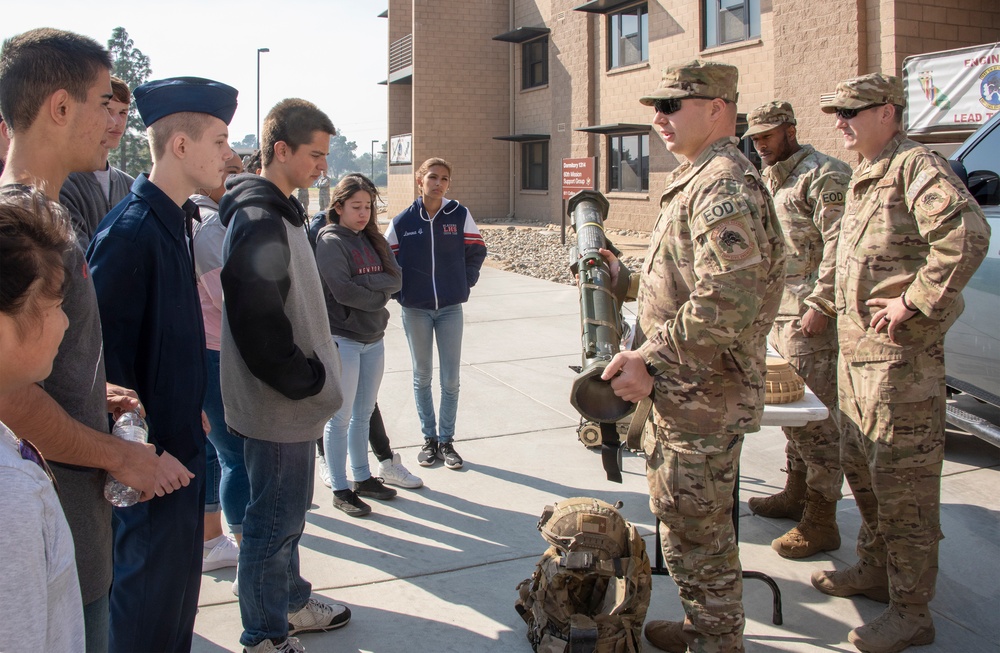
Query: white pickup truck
x,y
972,346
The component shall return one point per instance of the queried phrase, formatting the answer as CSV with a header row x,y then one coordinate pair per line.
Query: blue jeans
x,y
423,327
281,488
347,431
213,476
233,488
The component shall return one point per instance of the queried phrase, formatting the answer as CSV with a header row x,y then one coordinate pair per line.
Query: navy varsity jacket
x,y
440,256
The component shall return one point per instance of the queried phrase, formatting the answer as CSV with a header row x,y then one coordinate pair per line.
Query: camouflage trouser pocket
x,y
689,486
910,434
903,416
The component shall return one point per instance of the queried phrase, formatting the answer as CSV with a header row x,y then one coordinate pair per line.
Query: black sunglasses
x,y
30,452
672,105
847,114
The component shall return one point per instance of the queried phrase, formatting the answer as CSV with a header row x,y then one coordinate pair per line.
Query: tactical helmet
x,y
585,525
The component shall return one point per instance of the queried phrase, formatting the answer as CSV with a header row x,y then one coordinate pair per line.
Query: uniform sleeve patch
x,y
936,200
919,183
724,209
732,241
834,197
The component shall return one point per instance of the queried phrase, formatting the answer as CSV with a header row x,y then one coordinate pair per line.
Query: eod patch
x,y
733,242
724,209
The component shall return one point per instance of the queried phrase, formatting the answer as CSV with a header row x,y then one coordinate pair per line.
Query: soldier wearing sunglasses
x,y
708,294
808,189
911,237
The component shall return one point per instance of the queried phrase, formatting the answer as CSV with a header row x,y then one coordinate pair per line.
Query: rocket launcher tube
x,y
600,317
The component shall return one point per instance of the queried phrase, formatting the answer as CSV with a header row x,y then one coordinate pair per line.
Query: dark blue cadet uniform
x,y
154,342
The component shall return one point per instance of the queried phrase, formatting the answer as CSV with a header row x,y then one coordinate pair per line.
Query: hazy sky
x,y
331,52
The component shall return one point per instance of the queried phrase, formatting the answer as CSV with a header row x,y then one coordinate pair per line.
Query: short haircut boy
x,y
163,130
294,122
39,62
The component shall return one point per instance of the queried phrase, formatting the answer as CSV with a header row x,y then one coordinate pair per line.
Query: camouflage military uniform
x,y
708,294
808,189
909,225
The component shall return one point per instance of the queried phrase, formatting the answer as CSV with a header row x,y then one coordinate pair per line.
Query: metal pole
x,y
372,177
259,50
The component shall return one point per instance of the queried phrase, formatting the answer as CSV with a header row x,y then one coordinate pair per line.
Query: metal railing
x,y
401,53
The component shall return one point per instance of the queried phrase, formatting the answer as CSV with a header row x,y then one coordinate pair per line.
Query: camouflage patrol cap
x,y
697,78
769,116
584,524
865,91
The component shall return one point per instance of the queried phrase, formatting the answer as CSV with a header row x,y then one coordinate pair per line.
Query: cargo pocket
x,y
680,484
909,416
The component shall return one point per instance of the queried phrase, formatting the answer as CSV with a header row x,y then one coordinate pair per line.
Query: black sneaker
x,y
428,453
446,452
374,488
349,502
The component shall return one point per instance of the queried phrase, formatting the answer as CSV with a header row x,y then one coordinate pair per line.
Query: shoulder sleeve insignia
x,y
729,207
733,242
935,200
924,178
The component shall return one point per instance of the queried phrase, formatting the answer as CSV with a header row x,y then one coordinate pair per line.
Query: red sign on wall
x,y
577,175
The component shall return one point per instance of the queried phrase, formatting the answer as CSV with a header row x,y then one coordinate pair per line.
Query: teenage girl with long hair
x,y
359,275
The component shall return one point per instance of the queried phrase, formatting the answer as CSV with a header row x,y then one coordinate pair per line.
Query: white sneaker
x,y
224,553
393,473
316,616
290,645
236,582
324,471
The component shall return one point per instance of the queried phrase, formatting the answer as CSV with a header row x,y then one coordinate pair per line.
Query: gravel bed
x,y
537,252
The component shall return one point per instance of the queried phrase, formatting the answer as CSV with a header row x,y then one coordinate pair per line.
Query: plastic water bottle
x,y
132,427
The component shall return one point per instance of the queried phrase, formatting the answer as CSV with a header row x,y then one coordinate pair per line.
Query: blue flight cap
x,y
163,97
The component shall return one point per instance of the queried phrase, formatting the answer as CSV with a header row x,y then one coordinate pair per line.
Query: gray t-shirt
x,y
40,607
79,385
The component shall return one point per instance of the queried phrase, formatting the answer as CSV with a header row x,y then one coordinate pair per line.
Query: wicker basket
x,y
782,385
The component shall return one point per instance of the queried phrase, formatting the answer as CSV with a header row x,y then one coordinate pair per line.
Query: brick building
x,y
506,90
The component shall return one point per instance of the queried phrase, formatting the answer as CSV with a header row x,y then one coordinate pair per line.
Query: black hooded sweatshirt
x,y
274,317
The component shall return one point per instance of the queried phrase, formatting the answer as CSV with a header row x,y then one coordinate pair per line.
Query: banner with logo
x,y
955,90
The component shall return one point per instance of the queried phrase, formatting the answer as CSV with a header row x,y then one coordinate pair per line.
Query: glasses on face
x,y
847,114
667,106
673,105
30,452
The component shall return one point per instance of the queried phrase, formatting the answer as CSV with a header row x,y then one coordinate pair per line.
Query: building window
x,y
731,21
746,144
535,165
628,36
535,63
629,170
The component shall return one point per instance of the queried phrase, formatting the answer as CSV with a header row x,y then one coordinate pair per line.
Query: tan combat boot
x,y
816,532
899,627
667,636
678,637
862,578
789,503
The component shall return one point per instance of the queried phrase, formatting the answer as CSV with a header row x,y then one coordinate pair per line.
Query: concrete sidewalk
x,y
435,569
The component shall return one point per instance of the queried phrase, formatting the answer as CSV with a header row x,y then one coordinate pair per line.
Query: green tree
x,y
378,171
250,140
381,175
341,159
131,66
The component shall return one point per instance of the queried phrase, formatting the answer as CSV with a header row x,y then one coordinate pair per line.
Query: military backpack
x,y
590,590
